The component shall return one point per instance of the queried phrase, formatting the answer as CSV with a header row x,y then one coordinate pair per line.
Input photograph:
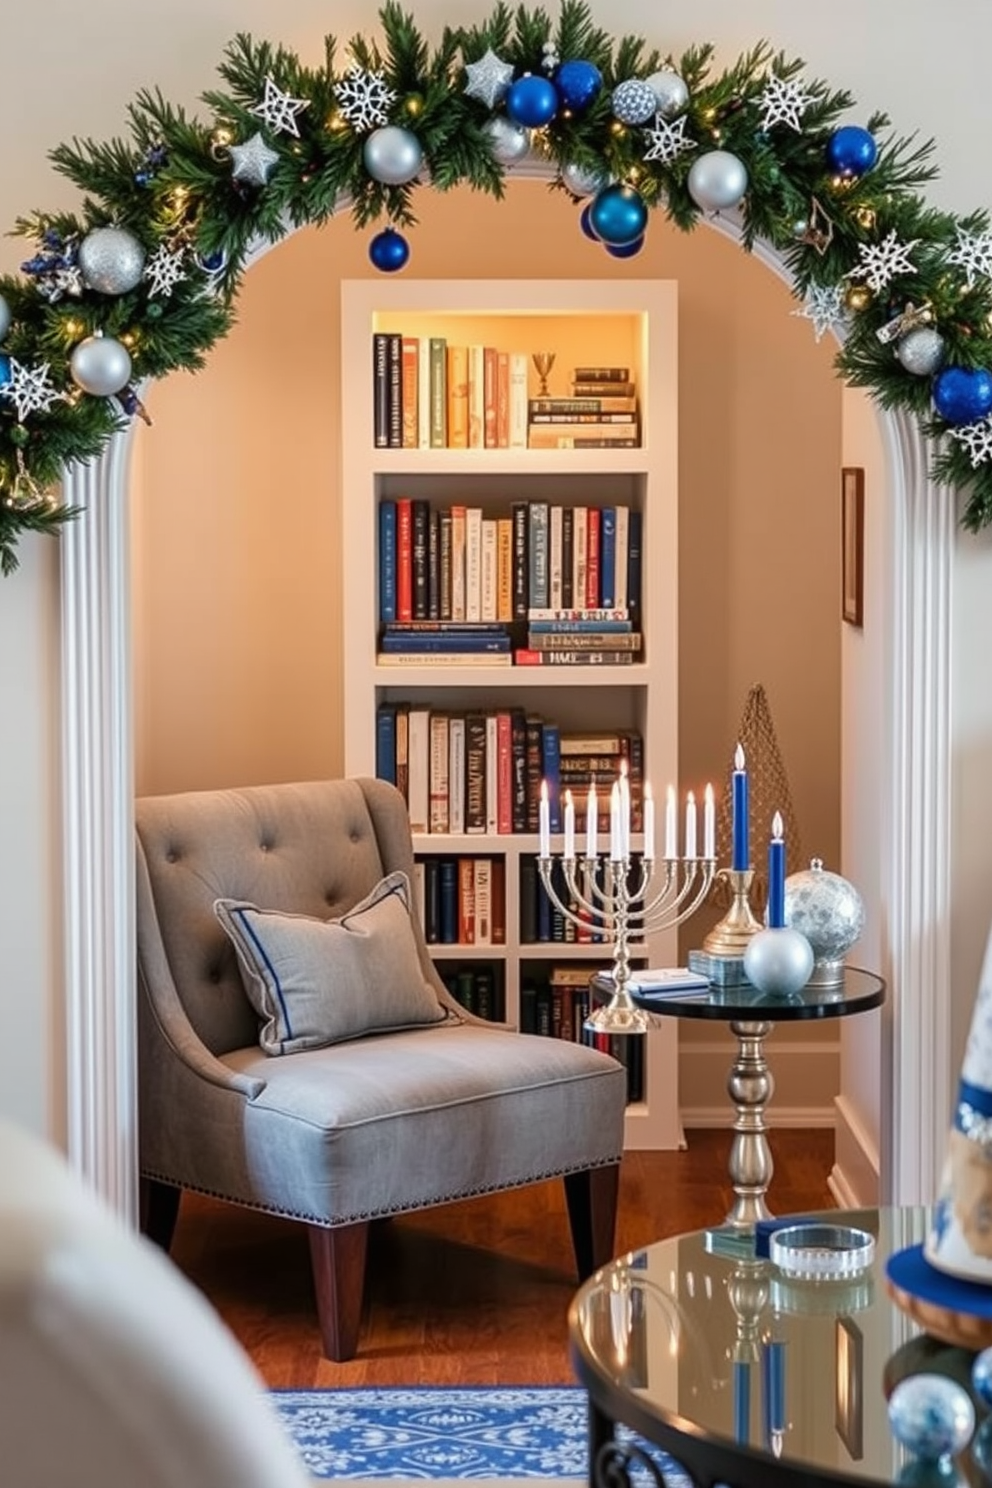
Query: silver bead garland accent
x,y
921,351
100,365
634,102
111,260
392,155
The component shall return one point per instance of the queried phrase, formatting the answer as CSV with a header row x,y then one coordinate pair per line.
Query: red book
x,y
404,558
504,774
593,521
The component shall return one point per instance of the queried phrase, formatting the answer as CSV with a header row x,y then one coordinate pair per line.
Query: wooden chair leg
x,y
158,1210
337,1258
591,1197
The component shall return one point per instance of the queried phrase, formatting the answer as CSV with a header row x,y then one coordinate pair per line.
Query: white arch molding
x,y
98,817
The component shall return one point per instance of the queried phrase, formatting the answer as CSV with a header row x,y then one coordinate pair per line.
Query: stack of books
x,y
444,643
599,413
580,638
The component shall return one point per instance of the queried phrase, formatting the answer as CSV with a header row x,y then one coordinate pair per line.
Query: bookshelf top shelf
x,y
410,678
509,462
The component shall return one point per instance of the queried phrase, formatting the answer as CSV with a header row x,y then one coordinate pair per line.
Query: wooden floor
x,y
474,1293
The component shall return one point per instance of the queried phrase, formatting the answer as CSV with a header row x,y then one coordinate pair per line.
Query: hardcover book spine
x,y
403,750
458,417
608,557
503,400
519,516
448,896
438,794
438,392
579,557
518,746
395,390
458,519
535,729
592,558
499,904
434,564
475,773
483,885
466,901
456,774
550,758
492,773
537,546
504,774
423,392
410,377
404,558
380,390
635,526
385,743
567,557
445,562
418,804
555,557
489,412
387,561
620,560
489,569
476,397
504,570
473,563
432,900
601,374
518,400
420,581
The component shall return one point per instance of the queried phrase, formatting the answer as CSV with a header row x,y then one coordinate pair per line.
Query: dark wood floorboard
x,y
472,1293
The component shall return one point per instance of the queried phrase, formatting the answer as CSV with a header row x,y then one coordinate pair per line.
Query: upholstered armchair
x,y
430,1106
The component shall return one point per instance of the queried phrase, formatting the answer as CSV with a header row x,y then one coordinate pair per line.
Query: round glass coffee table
x,y
745,1377
752,1016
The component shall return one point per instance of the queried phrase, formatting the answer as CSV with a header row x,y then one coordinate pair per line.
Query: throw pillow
x,y
318,982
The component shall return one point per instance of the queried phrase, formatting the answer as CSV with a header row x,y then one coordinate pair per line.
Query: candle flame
x,y
739,757
647,790
671,794
708,795
544,790
623,769
568,798
777,826
690,798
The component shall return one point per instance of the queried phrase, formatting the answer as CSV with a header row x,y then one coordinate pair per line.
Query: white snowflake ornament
x,y
824,306
364,99
973,253
882,262
164,270
60,282
488,79
667,141
977,440
30,388
783,102
278,110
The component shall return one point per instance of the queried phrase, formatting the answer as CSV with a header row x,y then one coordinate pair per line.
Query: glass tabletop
x,y
858,992
703,1337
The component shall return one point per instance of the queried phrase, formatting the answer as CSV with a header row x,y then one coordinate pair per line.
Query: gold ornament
x,y
858,297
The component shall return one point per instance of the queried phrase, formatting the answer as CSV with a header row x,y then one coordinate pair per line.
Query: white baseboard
x,y
783,1116
855,1179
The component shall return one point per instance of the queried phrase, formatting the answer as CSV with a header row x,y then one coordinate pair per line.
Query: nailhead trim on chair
x,y
314,1219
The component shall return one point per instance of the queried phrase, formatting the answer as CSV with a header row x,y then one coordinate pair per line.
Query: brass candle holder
x,y
729,937
543,362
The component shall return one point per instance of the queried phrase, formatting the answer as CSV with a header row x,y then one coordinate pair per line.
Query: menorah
x,y
623,906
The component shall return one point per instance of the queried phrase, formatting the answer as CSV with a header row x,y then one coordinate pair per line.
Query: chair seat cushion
x,y
405,1120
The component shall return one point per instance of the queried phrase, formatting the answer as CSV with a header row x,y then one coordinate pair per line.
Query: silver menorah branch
x,y
611,909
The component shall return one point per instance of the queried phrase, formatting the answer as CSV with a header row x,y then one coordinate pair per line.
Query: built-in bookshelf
x,y
481,545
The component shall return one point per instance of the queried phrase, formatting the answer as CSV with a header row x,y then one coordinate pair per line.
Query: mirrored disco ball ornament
x,y
670,91
921,351
634,102
717,180
392,155
100,365
111,260
508,141
830,912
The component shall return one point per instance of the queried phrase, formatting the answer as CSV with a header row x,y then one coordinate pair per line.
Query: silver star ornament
x,y
488,79
254,162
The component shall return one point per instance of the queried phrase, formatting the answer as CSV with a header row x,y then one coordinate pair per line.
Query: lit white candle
x,y
709,824
690,825
671,825
616,833
544,822
648,823
592,823
569,827
624,811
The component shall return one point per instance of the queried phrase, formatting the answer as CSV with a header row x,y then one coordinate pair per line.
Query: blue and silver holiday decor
x,y
633,102
4,317
578,84
851,151
625,250
532,101
4,369
931,1415
717,180
981,1376
100,365
618,215
962,394
508,142
389,250
212,263
921,351
111,260
392,155
585,222
830,912
583,180
670,91
778,962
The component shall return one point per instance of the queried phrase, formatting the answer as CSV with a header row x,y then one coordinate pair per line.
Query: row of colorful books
x,y
600,414
478,988
542,921
464,564
463,900
481,772
557,1006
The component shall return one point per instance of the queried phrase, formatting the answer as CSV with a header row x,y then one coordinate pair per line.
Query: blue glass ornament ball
x,y
577,84
625,250
389,250
851,150
981,1376
962,394
4,369
618,216
532,101
932,1415
585,222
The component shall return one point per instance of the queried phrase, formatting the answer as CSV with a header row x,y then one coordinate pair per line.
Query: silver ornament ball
x,y
392,155
921,351
778,962
670,91
111,260
717,180
100,365
4,317
509,142
583,180
634,102
830,912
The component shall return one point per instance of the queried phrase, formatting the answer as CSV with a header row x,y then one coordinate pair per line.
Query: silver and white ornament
x,y
100,365
670,91
583,180
634,102
392,155
778,962
254,161
717,180
111,260
509,142
921,351
488,79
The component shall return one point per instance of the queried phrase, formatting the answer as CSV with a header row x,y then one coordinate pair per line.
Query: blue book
x,y
579,627
387,561
419,641
608,558
551,771
385,742
448,901
634,532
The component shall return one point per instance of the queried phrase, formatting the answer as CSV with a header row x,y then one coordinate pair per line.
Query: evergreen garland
x,y
169,183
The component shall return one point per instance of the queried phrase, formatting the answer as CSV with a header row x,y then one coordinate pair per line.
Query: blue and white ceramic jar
x,y
830,912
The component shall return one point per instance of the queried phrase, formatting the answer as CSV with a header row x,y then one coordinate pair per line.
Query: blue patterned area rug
x,y
468,1432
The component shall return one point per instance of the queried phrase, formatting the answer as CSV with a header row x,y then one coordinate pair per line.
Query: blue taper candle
x,y
776,876
741,853
742,1402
